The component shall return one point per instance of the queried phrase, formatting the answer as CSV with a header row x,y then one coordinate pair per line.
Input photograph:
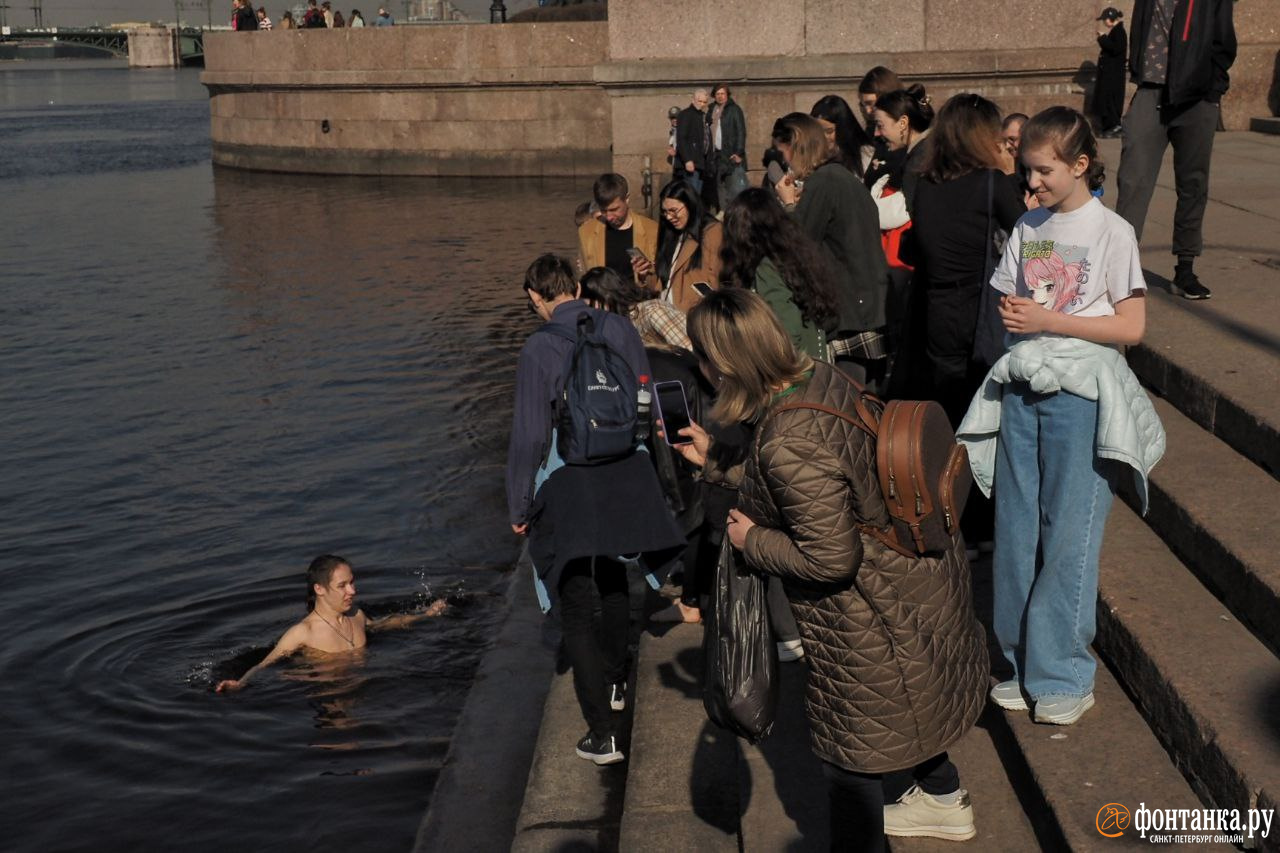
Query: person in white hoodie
x,y
1057,416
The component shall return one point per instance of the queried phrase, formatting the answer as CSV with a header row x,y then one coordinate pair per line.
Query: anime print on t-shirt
x,y
1055,274
1082,262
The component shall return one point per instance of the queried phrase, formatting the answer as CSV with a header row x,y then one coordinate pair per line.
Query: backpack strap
x,y
885,537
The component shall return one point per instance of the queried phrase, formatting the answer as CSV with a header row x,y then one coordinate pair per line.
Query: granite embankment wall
x,y
437,100
575,99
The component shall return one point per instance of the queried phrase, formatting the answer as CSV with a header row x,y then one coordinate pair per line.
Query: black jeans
x,y
598,657
857,801
1149,128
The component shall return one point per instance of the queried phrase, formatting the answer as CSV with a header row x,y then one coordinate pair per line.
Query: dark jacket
x,y
1112,46
1202,47
837,212
691,136
246,19
733,133
540,375
897,660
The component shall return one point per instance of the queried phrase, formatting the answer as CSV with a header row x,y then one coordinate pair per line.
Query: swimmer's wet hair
x,y
1068,133
320,572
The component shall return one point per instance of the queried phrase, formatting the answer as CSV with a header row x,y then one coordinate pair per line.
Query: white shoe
x,y
1008,695
1063,710
917,815
789,650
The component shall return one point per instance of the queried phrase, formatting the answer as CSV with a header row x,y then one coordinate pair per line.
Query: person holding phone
x,y
688,247
897,658
606,240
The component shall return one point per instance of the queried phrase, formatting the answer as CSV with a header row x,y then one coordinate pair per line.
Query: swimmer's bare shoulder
x,y
295,638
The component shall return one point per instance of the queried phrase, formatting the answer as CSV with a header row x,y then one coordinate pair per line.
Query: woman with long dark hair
x,y
688,246
765,251
847,142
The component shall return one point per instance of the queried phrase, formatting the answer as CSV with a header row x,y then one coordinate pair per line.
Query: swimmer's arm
x,y
404,620
292,640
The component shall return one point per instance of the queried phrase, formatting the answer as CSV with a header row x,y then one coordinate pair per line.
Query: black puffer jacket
x,y
897,660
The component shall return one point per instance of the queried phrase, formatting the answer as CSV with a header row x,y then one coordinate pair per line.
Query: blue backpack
x,y
596,412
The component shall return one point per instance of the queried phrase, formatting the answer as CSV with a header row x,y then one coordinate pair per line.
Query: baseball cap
x,y
1111,13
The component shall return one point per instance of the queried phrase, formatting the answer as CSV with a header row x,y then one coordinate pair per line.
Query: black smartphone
x,y
636,254
703,289
674,410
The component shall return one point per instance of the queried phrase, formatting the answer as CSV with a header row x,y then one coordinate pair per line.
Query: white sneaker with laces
x,y
1008,695
1062,710
920,815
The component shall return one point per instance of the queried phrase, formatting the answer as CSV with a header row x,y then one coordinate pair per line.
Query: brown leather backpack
x,y
924,474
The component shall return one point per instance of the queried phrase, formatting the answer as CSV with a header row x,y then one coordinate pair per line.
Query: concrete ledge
x,y
1207,687
682,783
1223,527
1265,125
477,795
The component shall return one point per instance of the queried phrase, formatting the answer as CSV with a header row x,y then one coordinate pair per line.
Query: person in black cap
x,y
1108,89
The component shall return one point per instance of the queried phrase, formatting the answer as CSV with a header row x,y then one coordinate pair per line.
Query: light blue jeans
x,y
1052,495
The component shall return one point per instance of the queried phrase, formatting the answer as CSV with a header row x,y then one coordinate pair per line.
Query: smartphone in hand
x,y
674,410
635,254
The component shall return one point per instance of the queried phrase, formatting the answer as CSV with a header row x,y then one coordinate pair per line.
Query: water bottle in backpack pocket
x,y
596,411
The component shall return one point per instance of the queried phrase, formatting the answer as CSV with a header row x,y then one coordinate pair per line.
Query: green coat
x,y
808,338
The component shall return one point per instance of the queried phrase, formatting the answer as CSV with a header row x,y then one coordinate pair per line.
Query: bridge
x,y
111,42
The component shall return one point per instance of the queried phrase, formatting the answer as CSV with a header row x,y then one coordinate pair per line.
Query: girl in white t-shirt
x,y
1070,269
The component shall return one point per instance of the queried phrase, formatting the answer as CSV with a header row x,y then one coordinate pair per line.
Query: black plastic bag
x,y
740,689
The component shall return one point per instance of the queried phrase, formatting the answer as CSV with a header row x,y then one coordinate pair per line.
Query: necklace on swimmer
x,y
350,642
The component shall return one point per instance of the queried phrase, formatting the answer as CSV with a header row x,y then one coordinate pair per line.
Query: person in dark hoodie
x,y
1180,53
580,518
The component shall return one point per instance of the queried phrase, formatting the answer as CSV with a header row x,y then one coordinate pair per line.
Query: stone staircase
x,y
1188,713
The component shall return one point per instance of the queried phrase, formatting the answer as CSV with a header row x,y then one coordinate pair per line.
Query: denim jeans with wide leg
x,y
1052,495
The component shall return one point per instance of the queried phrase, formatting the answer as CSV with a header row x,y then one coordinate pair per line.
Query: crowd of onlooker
x,y
785,344
320,15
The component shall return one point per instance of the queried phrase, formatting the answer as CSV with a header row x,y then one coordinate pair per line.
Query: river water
x,y
207,378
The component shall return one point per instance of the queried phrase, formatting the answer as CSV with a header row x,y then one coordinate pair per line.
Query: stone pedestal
x,y
154,47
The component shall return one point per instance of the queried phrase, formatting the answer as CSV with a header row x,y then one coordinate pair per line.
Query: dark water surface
x,y
206,378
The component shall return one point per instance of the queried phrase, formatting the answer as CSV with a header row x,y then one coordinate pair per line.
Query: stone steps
x,y
1265,124
1207,687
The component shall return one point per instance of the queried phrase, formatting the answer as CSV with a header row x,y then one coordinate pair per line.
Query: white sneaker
x,y
1063,710
789,650
1008,695
917,814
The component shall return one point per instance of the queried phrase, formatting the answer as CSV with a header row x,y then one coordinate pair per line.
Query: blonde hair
x,y
738,335
808,143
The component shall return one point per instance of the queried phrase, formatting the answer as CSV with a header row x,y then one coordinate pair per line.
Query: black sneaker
x,y
1188,286
618,696
601,750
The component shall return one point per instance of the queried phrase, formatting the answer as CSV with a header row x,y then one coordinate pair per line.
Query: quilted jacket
x,y
898,665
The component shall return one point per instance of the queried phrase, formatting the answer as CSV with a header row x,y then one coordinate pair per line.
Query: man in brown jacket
x,y
604,242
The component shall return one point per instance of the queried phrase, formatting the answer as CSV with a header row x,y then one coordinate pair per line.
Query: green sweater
x,y
807,337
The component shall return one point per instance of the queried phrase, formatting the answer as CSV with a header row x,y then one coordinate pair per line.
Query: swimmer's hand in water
x,y
229,685
404,620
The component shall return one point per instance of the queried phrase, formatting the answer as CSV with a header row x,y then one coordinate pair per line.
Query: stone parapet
x,y
459,100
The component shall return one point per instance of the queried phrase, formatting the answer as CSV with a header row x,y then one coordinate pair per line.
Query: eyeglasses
x,y
673,211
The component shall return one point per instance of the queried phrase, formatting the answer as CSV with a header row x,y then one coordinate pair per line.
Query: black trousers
x,y
597,653
857,801
1150,127
1108,94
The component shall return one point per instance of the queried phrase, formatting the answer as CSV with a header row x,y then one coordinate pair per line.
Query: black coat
x,y
1112,46
691,138
1202,47
246,19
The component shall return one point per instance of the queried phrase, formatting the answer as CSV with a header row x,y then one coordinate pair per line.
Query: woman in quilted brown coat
x,y
897,660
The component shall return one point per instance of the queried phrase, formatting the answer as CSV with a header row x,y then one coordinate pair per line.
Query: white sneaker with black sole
x,y
600,750
618,696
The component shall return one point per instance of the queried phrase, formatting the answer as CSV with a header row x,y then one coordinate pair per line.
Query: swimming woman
x,y
327,627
